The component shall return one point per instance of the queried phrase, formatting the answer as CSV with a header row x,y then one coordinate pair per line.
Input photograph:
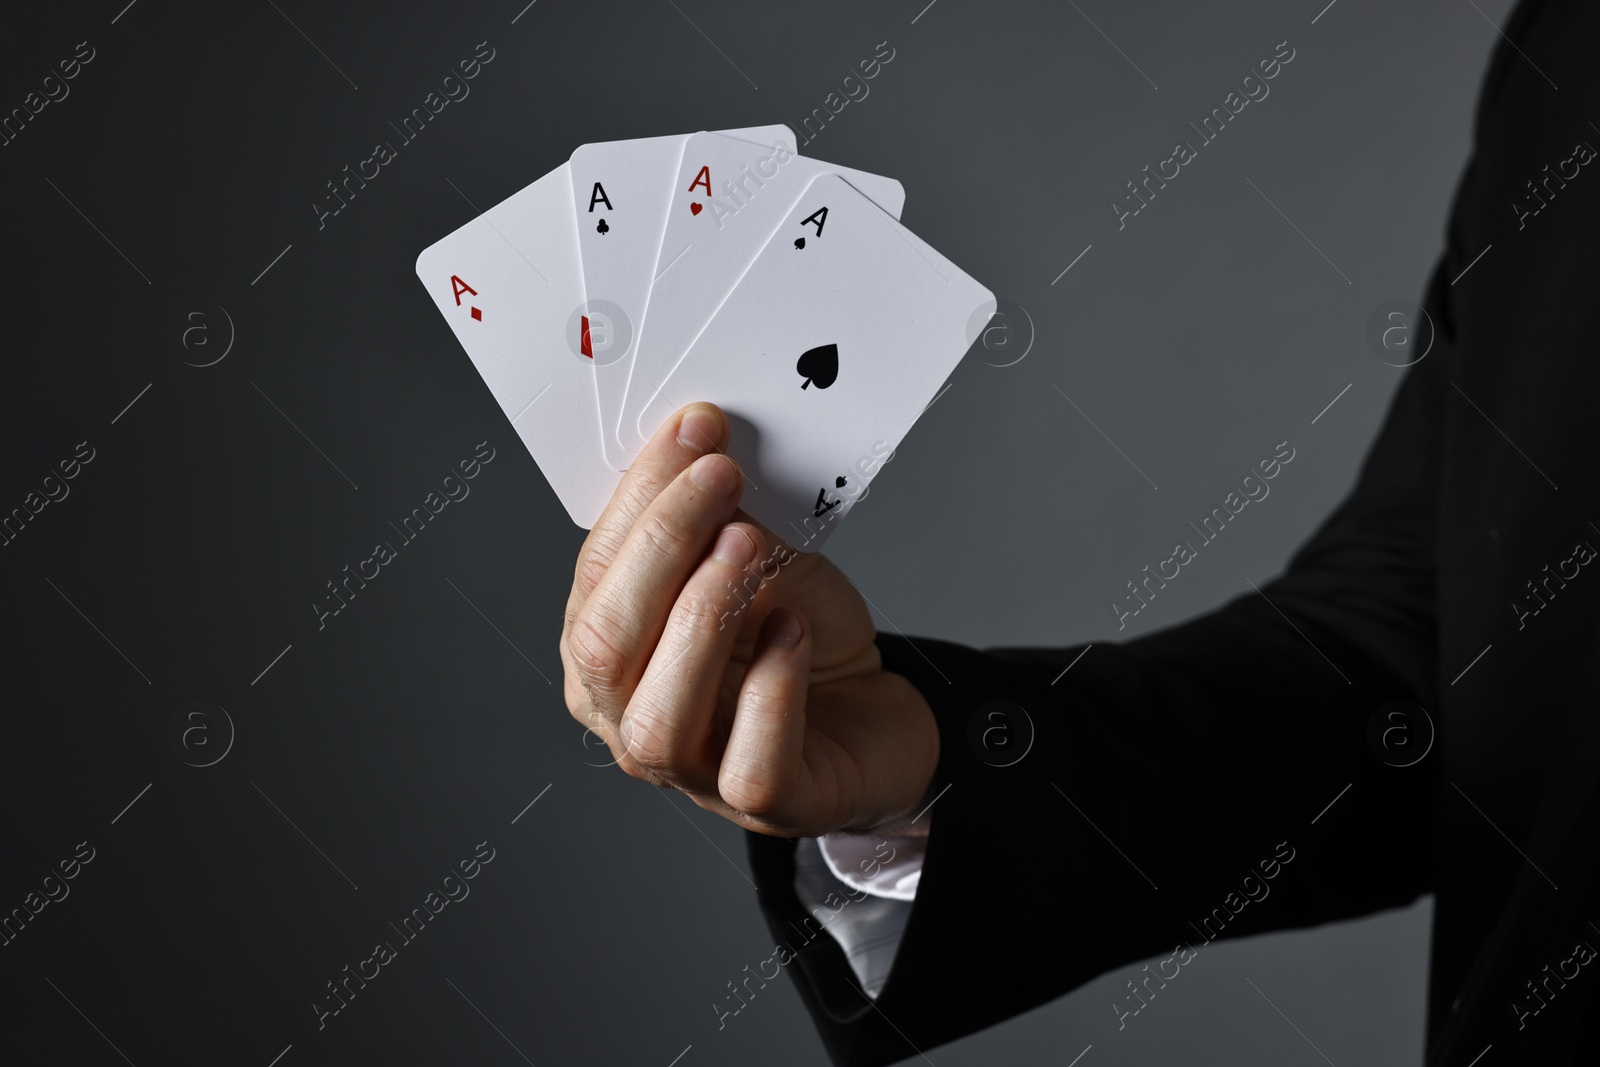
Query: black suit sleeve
x,y
1168,775
1212,780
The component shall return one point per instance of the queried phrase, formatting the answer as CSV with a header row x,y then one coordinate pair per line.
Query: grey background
x,y
413,727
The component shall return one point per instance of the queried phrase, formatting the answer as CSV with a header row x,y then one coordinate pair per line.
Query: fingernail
x,y
734,546
700,429
715,474
786,629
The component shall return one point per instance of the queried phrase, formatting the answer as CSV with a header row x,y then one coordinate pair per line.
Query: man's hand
x,y
713,658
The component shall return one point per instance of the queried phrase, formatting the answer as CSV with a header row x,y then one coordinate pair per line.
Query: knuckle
x,y
633,768
696,613
650,750
592,566
638,493
751,791
595,558
663,537
595,656
564,645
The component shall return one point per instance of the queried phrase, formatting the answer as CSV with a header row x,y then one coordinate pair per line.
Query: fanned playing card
x,y
729,197
509,285
823,356
621,191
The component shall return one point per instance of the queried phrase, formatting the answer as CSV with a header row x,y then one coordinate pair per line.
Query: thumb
x,y
763,763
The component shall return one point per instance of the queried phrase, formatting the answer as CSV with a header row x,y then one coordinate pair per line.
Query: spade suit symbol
x,y
602,229
820,365
838,483
799,242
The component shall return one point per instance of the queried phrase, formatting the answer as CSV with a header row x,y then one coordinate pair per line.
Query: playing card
x,y
509,285
823,356
728,199
621,190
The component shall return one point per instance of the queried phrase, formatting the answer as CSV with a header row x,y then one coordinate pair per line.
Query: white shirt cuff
x,y
860,888
887,866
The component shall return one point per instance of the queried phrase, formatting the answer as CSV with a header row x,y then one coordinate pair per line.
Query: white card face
x,y
729,198
621,190
825,354
509,285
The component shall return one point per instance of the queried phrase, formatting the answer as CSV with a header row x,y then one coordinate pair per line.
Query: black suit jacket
x,y
1207,750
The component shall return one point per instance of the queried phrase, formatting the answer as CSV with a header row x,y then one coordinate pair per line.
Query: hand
x,y
713,658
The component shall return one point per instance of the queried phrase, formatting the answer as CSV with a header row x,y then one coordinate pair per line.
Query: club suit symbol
x,y
820,365
601,228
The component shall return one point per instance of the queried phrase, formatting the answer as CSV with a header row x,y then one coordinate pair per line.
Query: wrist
x,y
914,821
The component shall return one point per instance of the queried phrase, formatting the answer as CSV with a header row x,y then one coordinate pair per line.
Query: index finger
x,y
690,433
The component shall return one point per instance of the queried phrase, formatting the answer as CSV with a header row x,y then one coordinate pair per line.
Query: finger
x,y
763,772
614,632
670,729
688,434
691,433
